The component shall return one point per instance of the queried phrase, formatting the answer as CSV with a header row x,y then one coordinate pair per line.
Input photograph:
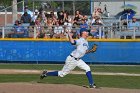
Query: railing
x,y
95,32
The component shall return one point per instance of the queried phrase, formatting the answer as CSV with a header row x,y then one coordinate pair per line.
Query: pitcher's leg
x,y
45,74
82,65
70,64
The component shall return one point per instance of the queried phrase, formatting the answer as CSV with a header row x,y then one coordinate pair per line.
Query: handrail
x,y
111,34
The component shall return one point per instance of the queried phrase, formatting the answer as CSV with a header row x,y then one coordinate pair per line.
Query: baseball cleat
x,y
93,86
43,74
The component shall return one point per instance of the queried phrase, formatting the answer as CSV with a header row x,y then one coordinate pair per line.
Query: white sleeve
x,y
77,41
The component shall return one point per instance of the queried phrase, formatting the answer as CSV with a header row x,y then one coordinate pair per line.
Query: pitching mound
x,y
56,88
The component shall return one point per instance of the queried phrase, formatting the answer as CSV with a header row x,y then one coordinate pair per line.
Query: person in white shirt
x,y
68,26
35,15
134,24
58,31
74,59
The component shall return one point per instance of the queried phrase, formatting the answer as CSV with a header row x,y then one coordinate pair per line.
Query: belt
x,y
75,58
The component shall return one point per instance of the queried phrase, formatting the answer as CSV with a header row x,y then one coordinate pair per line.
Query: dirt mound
x,y
56,88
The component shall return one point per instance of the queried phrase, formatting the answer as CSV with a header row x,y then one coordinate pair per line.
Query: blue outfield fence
x,y
41,51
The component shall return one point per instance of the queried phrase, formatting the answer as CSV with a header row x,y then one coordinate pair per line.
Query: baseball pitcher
x,y
74,59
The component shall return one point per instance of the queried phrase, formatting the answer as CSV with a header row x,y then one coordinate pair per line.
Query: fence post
x,y
73,6
34,31
23,4
3,32
100,33
120,23
134,33
5,17
111,30
103,32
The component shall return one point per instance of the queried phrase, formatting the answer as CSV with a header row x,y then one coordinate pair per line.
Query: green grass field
x,y
101,80
95,68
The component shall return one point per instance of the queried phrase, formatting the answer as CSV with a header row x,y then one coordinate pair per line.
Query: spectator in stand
x,y
82,25
38,24
95,18
60,15
26,18
61,22
39,29
95,28
97,12
35,15
65,19
42,16
133,24
49,32
77,18
68,25
58,31
94,32
11,34
97,22
28,11
53,17
41,34
19,30
88,21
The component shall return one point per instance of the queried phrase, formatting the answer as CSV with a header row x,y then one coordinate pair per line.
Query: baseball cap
x,y
134,17
36,10
83,30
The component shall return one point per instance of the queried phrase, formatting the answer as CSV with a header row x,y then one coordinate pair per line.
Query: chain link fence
x,y
70,6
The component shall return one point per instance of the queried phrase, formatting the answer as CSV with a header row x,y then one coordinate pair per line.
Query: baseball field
x,y
24,78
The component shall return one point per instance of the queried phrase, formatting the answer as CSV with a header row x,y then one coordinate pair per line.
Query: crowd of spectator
x,y
52,24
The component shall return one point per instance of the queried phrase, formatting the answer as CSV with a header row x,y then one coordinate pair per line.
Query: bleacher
x,y
9,29
111,28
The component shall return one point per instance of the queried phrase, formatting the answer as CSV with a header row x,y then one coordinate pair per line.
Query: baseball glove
x,y
94,48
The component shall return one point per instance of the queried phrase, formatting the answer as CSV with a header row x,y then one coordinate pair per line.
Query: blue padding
x,y
54,51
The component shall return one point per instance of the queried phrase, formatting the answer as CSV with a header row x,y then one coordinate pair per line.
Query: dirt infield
x,y
56,88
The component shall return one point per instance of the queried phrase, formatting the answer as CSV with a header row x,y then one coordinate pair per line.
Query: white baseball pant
x,y
70,64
